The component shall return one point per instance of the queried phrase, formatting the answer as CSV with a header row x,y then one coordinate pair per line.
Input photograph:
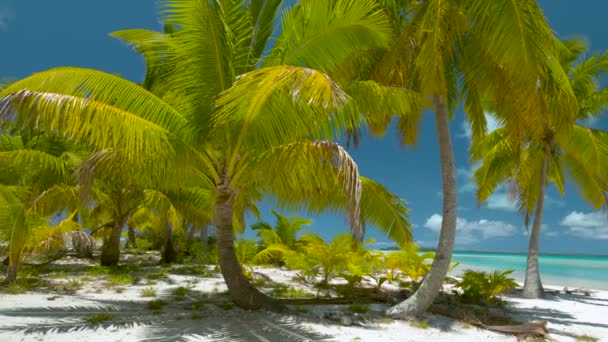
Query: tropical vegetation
x,y
248,102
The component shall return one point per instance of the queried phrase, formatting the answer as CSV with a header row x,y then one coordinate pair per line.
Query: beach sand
x,y
60,317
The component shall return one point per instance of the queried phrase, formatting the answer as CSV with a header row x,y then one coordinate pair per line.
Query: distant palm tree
x,y
229,120
35,183
283,237
577,152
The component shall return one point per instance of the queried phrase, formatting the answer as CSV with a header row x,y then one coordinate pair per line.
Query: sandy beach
x,y
99,311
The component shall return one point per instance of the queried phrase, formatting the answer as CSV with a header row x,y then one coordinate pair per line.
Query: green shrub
x,y
13,288
483,288
226,306
99,318
119,279
148,292
198,305
301,309
420,324
358,308
587,338
156,305
291,292
180,291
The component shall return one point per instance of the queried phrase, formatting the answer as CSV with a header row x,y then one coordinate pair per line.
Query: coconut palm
x,y
35,181
229,120
283,237
445,51
577,152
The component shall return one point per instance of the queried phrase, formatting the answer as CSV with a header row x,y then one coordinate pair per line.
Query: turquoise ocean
x,y
559,270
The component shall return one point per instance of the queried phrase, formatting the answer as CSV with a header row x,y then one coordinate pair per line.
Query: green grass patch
x,y
227,306
358,308
291,292
301,309
180,291
198,305
117,269
420,324
587,338
385,320
71,286
162,274
156,305
99,318
196,315
13,288
119,279
148,292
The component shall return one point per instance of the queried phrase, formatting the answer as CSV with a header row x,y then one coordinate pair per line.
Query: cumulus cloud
x,y
501,200
473,231
592,225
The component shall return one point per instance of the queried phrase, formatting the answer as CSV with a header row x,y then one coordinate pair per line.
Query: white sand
x,y
33,317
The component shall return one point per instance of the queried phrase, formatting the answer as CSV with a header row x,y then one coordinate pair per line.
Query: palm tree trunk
x,y
110,252
12,268
420,301
242,292
205,237
132,238
168,255
533,287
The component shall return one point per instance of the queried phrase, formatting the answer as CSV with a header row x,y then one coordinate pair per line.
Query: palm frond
x,y
325,36
278,105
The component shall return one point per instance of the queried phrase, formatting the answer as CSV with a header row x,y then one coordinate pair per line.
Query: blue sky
x,y
40,34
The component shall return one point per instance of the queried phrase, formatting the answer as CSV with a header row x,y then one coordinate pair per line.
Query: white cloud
x,y
501,200
473,231
592,225
465,126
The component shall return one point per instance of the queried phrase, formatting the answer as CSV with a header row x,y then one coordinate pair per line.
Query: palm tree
x,y
283,237
34,185
578,152
445,50
258,134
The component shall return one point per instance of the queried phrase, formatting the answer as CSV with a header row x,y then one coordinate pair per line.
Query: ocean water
x,y
571,271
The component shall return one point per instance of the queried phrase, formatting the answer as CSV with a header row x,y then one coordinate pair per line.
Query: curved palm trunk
x,y
533,287
169,254
110,252
242,292
420,301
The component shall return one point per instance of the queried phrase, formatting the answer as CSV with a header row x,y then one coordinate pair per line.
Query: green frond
x,y
316,170
263,14
326,35
55,199
277,105
586,159
380,103
100,109
385,211
201,64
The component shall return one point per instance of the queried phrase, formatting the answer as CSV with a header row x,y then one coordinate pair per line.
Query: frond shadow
x,y
176,321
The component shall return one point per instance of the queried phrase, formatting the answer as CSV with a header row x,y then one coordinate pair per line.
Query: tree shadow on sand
x,y
191,318
558,320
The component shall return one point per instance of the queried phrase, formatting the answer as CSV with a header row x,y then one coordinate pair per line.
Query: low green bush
x,y
483,288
